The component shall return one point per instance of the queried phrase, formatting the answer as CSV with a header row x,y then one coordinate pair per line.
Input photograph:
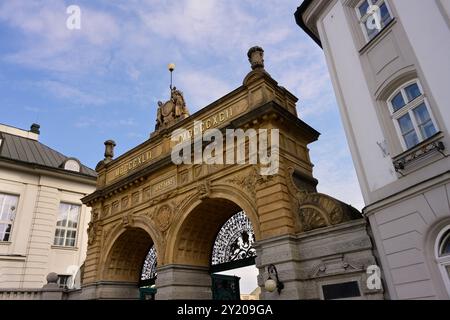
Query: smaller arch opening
x,y
127,255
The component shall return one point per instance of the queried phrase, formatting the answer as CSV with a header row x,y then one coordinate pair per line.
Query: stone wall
x,y
310,260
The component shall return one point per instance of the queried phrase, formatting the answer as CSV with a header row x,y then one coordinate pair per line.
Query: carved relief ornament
x,y
163,218
249,180
316,210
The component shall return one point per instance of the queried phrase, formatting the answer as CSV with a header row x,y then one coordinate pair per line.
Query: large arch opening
x,y
218,235
198,231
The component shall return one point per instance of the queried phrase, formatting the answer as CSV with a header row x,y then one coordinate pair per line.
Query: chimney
x,y
35,128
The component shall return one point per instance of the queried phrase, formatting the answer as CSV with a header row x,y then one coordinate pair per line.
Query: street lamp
x,y
171,67
273,282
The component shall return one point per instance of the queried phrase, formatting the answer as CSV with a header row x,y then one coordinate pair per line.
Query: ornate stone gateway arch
x,y
143,199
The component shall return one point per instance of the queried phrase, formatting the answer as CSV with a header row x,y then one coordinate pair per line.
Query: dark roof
x,y
299,19
32,152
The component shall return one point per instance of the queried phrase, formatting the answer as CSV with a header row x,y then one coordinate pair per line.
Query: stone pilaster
x,y
310,260
283,253
183,282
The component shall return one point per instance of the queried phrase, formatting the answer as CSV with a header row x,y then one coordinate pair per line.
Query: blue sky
x,y
103,81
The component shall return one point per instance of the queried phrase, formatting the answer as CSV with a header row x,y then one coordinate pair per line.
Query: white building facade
x,y
43,224
390,67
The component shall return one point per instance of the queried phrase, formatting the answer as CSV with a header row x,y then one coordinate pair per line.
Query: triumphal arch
x,y
312,245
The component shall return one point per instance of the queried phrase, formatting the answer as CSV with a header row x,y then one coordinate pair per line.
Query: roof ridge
x,y
42,154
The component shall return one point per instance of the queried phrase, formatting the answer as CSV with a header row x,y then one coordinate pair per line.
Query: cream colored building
x,y
390,69
43,224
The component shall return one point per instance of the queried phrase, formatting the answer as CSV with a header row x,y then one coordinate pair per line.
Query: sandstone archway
x,y
199,229
192,242
182,206
126,256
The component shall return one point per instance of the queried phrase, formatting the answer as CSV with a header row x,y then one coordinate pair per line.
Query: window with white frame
x,y
67,225
8,207
373,16
411,114
442,251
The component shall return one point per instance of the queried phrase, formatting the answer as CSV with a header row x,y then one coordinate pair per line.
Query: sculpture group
x,y
171,111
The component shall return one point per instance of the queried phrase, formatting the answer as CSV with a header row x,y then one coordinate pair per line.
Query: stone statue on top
x,y
171,111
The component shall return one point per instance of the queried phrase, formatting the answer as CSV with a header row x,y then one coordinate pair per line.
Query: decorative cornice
x,y
264,111
306,14
402,161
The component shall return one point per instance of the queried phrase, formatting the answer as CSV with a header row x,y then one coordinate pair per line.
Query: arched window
x,y
442,251
411,114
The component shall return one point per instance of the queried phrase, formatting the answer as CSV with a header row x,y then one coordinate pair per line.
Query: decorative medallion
x,y
163,217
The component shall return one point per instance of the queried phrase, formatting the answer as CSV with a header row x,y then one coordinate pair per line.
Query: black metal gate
x,y
225,287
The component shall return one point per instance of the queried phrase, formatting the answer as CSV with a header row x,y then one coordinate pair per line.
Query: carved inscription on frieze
x,y
166,184
151,153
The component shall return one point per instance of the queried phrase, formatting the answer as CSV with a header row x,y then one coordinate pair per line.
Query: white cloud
x,y
90,122
135,135
35,109
50,44
198,22
67,92
201,88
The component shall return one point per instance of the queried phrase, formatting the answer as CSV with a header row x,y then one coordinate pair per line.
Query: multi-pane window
x,y
66,225
411,114
8,207
373,16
